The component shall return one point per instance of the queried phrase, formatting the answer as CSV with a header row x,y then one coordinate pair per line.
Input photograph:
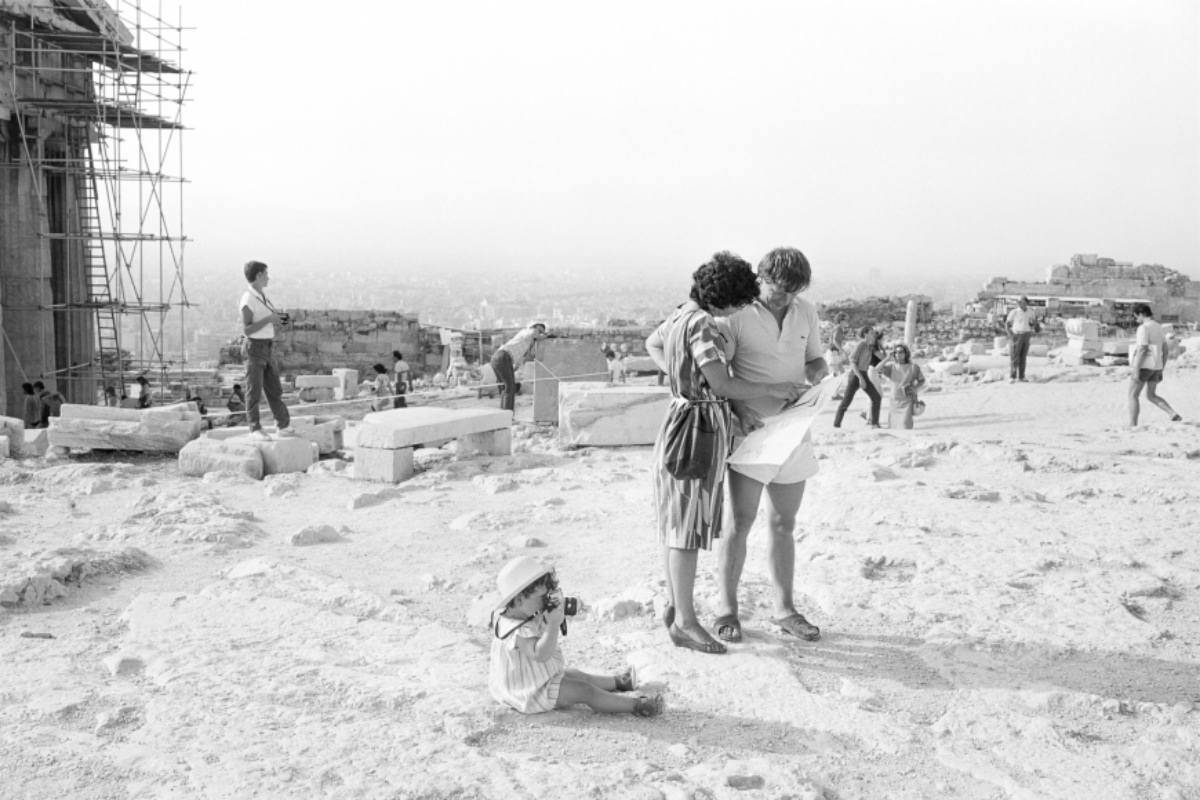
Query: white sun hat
x,y
516,575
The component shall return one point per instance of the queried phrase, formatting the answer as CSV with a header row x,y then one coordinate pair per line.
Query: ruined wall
x,y
318,341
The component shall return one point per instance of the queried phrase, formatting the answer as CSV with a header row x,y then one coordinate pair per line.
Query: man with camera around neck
x,y
259,319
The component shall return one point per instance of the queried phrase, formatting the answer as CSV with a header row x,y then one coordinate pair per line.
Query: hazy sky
x,y
984,137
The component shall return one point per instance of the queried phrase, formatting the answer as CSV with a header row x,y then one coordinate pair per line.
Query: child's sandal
x,y
626,681
649,706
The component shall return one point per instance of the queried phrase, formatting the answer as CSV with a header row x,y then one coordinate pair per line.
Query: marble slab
x,y
347,387
318,381
563,361
405,427
165,429
599,414
209,454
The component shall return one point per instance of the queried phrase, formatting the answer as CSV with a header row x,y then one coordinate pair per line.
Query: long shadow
x,y
919,665
959,421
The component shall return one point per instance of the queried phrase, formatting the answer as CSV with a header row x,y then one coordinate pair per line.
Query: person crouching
x,y
528,671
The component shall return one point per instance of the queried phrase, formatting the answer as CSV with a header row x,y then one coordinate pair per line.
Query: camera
x,y
570,605
284,318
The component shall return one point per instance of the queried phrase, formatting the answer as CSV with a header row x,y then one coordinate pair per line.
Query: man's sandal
x,y
728,628
798,626
649,706
626,681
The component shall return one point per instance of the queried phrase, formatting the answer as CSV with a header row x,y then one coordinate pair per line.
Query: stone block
x,y
212,454
162,430
405,427
318,381
35,445
14,429
490,443
326,431
641,365
347,384
1121,347
315,394
5,450
986,363
336,348
286,454
600,414
388,466
946,367
563,360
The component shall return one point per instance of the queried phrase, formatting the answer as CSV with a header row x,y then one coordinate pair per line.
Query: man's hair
x,y
1142,310
27,388
787,268
843,317
237,387
1023,299
864,330
396,355
39,385
253,269
380,368
725,281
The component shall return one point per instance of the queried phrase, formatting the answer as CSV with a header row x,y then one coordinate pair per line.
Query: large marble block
x,y
347,384
325,430
14,429
5,450
318,381
35,444
561,361
316,394
600,414
490,443
405,427
286,454
208,454
388,466
164,429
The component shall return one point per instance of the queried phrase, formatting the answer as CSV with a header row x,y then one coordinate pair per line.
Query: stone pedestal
x,y
492,443
384,443
347,387
35,444
600,414
14,429
388,466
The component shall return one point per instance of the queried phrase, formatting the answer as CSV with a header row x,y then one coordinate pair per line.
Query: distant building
x,y
1104,289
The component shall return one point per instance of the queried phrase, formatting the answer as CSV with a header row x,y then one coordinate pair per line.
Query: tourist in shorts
x,y
1146,364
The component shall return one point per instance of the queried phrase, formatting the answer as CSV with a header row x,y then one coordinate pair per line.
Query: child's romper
x,y
527,685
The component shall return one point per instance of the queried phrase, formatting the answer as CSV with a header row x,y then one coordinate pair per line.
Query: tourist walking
x,y
403,384
382,388
906,380
860,362
1149,358
1020,324
259,319
33,406
512,355
688,347
835,355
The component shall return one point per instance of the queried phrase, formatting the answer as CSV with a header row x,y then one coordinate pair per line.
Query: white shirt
x,y
1020,321
260,309
1150,335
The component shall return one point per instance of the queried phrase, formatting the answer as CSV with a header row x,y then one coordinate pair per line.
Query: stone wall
x,y
318,341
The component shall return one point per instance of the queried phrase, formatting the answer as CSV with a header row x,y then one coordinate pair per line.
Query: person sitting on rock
x,y
237,406
528,672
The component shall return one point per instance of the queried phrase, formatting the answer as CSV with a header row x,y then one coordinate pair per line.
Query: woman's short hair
x,y
907,352
725,281
1142,310
380,368
843,317
396,355
787,268
864,330
253,269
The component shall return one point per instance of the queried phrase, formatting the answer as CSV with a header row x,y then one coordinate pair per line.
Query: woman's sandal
x,y
649,706
681,639
626,681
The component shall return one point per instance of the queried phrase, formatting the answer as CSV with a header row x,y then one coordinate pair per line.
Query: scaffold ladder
x,y
108,335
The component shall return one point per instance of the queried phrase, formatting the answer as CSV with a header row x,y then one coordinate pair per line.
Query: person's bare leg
x,y
783,501
1135,388
681,567
1152,396
744,494
574,690
605,683
666,555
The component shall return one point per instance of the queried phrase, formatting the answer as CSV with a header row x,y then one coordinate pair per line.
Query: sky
x,y
929,137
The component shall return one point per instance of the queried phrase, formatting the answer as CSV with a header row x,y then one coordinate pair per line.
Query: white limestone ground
x,y
1009,594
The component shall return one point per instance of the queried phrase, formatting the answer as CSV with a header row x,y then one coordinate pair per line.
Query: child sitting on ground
x,y
528,672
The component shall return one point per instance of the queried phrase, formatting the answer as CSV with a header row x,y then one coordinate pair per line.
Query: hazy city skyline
x,y
917,138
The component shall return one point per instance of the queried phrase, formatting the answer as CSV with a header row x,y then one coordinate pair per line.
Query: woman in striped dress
x,y
689,348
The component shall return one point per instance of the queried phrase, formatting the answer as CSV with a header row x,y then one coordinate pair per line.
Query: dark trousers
x,y
262,377
852,386
1018,352
502,365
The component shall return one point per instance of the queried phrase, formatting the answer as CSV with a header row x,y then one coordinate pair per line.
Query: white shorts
x,y
799,466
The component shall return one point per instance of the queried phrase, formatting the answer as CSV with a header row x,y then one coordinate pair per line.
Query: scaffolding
x,y
96,94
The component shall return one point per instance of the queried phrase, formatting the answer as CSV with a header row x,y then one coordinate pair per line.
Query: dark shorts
x,y
1149,375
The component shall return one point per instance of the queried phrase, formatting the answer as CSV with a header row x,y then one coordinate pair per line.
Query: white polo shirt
x,y
758,349
1021,321
260,310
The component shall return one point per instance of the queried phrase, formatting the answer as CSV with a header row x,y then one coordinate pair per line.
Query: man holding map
x,y
775,339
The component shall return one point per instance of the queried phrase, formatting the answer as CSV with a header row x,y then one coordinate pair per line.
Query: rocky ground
x,y
1009,594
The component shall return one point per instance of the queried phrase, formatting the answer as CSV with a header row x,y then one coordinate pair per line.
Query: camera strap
x,y
512,630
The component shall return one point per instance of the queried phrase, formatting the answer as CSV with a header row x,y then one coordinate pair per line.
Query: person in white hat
x,y
528,672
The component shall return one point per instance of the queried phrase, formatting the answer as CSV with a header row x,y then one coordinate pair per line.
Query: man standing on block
x,y
1146,364
1019,323
775,339
259,319
512,355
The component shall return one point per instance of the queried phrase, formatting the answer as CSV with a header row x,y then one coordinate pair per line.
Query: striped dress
x,y
520,682
689,511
